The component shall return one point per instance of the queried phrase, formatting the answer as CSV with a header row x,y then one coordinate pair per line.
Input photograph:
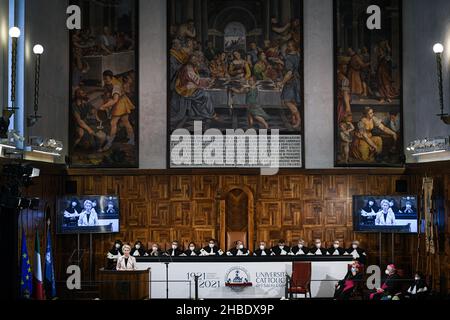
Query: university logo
x,y
237,278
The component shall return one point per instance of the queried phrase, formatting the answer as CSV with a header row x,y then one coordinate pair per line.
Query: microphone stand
x,y
167,279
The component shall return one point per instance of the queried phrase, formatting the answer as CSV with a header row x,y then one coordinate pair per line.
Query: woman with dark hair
x,y
418,288
72,213
114,254
192,250
369,212
138,250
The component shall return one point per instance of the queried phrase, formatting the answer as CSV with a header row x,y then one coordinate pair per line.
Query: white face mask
x,y
241,246
138,246
300,245
353,269
154,248
318,245
281,246
335,246
117,245
174,246
387,272
262,247
417,278
211,245
354,246
192,248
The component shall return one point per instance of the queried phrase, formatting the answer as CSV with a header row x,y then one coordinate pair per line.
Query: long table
x,y
267,276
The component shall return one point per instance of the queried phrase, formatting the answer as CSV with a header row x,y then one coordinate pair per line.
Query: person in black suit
x,y
138,250
317,250
155,251
211,249
281,249
175,251
336,249
262,250
418,289
192,250
299,249
238,250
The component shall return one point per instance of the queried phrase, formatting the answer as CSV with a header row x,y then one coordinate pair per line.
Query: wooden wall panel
x,y
160,208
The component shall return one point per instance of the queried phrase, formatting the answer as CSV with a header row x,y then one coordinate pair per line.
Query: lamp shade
x,y
438,48
14,32
38,49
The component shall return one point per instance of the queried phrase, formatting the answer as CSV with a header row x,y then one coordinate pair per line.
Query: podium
x,y
124,285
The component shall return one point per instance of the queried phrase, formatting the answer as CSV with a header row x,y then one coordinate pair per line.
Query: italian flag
x,y
38,288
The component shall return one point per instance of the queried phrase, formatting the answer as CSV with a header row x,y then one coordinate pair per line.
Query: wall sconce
x,y
14,33
438,49
38,50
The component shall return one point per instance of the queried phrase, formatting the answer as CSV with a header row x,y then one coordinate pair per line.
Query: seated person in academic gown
x,y
317,250
390,287
192,250
175,251
238,250
347,286
138,250
336,249
155,251
300,249
262,250
418,289
358,253
408,208
211,249
114,254
281,249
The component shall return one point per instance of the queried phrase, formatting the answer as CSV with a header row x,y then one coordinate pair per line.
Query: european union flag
x,y
26,279
49,281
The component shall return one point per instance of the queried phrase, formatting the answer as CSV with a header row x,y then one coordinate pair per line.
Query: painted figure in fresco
x,y
255,113
121,107
219,67
355,69
187,31
192,94
239,67
290,94
366,146
86,122
386,88
346,129
263,70
343,89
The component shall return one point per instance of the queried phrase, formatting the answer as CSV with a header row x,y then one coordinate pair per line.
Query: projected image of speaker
x,y
385,214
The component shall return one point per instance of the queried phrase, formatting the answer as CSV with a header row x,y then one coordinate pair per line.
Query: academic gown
x,y
190,253
261,253
137,252
358,254
112,263
299,251
238,252
155,254
215,251
175,254
336,252
417,290
318,252
278,252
